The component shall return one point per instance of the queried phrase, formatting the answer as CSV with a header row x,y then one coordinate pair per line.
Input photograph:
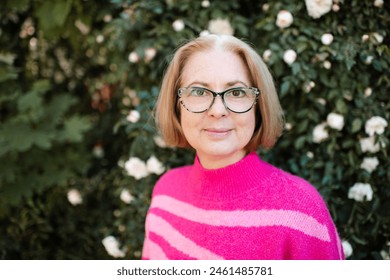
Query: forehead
x,y
215,68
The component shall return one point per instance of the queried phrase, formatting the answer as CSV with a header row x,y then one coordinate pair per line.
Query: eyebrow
x,y
229,84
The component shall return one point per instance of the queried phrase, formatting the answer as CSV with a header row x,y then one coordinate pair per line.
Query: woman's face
x,y
218,135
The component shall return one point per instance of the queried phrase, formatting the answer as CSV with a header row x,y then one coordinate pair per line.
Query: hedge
x,y
79,152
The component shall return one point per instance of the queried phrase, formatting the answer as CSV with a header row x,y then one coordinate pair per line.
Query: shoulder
x,y
296,192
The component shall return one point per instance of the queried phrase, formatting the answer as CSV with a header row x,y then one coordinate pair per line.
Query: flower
x,y
317,8
376,125
360,192
368,91
378,37
347,248
178,25
289,56
327,65
308,86
159,141
320,133
112,247
220,26
153,165
150,53
368,145
74,197
327,39
284,19
136,168
99,39
365,38
335,121
378,3
133,57
204,33
369,164
133,116
205,3
98,150
126,196
267,55
369,59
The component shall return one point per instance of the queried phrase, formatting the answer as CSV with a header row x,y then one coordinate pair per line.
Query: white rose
x,y
289,56
378,3
126,196
368,145
205,3
288,126
335,121
368,91
320,133
133,57
159,141
112,247
74,197
347,248
133,116
153,165
378,37
267,55
284,19
178,25
360,192
327,65
369,59
369,164
98,151
150,53
376,125
365,38
136,168
327,39
220,26
99,39
204,33
317,8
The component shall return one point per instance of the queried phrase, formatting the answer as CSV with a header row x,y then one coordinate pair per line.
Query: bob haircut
x,y
269,114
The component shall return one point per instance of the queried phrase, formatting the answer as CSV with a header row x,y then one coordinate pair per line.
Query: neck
x,y
217,161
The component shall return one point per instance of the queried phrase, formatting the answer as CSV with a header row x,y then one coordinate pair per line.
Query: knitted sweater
x,y
248,210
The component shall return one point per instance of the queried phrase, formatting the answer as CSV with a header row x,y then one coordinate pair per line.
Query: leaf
x,y
75,128
356,125
30,101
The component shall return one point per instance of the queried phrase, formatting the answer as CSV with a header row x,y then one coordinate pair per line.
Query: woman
x,y
218,97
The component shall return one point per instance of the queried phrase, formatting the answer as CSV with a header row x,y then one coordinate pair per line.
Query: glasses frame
x,y
256,91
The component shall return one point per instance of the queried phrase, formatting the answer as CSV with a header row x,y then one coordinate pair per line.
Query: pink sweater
x,y
248,210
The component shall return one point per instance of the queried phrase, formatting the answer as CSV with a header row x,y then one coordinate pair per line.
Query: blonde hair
x,y
269,114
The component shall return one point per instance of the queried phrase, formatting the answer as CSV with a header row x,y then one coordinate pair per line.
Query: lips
x,y
217,132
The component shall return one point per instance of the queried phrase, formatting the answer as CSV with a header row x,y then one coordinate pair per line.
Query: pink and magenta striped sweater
x,y
248,210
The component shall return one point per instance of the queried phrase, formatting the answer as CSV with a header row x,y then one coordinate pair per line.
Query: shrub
x,y
78,83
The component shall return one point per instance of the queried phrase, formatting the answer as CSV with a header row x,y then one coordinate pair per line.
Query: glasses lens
x,y
240,99
196,99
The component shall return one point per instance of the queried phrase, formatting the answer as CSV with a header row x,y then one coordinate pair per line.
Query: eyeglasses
x,y
198,99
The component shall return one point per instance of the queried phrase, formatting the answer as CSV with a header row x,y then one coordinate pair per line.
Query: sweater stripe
x,y
150,246
177,240
239,218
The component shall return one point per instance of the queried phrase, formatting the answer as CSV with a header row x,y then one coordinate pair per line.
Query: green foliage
x,y
78,82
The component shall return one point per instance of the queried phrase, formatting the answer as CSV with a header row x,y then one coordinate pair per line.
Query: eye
x,y
197,92
237,92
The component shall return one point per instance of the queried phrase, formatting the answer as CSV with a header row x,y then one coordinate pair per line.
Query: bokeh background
x,y
79,153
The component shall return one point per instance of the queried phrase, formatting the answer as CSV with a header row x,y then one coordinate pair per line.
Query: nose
x,y
218,108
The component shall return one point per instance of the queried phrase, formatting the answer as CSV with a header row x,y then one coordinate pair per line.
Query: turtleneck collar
x,y
229,182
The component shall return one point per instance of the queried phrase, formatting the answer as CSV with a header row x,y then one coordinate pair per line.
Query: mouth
x,y
217,132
